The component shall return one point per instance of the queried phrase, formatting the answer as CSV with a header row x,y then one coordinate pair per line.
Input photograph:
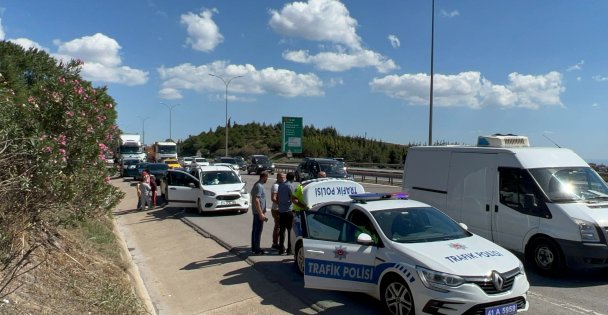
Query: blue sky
x,y
535,68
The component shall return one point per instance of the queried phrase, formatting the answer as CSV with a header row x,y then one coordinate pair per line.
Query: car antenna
x,y
557,145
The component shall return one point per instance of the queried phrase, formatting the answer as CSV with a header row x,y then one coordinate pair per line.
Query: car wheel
x,y
199,206
298,258
546,257
248,172
396,296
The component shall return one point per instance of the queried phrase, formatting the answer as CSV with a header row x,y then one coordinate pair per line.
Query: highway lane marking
x,y
566,306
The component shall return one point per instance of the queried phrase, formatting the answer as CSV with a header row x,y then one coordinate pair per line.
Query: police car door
x,y
333,260
182,189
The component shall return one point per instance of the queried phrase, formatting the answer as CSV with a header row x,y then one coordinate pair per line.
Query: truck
x,y
164,150
130,147
545,203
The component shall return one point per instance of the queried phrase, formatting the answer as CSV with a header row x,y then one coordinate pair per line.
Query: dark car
x,y
309,168
159,170
241,161
260,163
128,168
141,167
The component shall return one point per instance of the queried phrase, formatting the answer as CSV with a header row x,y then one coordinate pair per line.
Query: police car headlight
x,y
521,268
208,193
436,280
243,191
588,231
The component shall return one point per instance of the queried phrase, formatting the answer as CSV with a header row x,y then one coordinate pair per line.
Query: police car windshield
x,y
569,184
418,225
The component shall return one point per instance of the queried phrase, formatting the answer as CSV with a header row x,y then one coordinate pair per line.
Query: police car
x,y
409,255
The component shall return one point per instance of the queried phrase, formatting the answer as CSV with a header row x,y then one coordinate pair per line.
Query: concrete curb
x,y
140,288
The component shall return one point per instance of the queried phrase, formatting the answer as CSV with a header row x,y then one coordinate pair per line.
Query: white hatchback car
x,y
409,255
206,188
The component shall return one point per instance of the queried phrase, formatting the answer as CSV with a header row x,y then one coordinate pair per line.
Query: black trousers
x,y
285,221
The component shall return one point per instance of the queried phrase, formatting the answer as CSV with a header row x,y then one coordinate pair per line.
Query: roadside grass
x,y
82,272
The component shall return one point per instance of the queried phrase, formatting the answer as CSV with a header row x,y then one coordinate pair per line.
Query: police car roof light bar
x,y
378,196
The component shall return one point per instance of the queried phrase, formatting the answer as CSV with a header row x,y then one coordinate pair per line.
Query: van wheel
x,y
396,296
546,256
199,206
299,258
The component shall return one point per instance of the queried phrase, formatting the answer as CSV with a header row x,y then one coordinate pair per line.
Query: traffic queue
x,y
409,255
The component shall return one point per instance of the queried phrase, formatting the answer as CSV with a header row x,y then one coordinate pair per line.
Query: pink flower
x,y
106,179
47,149
61,139
70,113
62,151
109,105
62,80
31,99
103,147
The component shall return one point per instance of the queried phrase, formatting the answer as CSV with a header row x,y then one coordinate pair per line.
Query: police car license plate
x,y
227,202
505,309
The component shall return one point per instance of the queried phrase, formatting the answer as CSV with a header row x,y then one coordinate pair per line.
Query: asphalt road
x,y
574,293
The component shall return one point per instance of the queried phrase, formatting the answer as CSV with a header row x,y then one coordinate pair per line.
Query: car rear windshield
x,y
262,160
229,160
157,167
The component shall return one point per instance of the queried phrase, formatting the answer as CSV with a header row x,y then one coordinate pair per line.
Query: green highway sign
x,y
292,135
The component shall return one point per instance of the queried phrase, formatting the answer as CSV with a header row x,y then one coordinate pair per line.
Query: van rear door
x,y
471,186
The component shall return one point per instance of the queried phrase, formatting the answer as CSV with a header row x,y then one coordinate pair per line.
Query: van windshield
x,y
569,184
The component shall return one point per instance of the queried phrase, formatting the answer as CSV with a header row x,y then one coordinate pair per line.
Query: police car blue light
x,y
407,254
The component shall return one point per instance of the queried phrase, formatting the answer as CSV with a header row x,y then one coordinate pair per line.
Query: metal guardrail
x,y
386,177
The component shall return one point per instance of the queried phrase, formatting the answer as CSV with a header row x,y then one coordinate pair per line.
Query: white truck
x,y
130,147
164,150
545,203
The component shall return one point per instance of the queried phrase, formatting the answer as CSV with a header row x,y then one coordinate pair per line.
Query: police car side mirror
x,y
365,239
464,226
192,185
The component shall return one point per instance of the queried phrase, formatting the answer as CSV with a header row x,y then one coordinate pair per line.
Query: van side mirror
x,y
464,226
192,185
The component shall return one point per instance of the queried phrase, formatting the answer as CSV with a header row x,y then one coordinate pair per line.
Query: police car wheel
x,y
299,258
546,257
397,297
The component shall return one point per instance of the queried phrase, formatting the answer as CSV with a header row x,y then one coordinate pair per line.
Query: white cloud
x,y
342,61
330,21
203,33
600,78
2,34
335,82
264,81
27,44
317,20
98,48
170,94
470,89
394,40
452,14
101,58
577,66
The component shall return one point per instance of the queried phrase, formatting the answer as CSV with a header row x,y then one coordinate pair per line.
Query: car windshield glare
x,y
220,178
417,225
332,167
569,184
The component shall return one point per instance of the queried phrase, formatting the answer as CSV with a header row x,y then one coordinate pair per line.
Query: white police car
x,y
411,256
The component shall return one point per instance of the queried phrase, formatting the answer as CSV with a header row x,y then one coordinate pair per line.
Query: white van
x,y
546,203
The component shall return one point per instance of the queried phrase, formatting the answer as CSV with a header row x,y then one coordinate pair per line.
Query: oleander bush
x,y
55,128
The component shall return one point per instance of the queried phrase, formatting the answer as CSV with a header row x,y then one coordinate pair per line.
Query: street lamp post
x,y
143,129
432,75
170,107
226,83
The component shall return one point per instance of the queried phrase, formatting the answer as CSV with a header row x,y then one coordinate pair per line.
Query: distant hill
x,y
256,138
